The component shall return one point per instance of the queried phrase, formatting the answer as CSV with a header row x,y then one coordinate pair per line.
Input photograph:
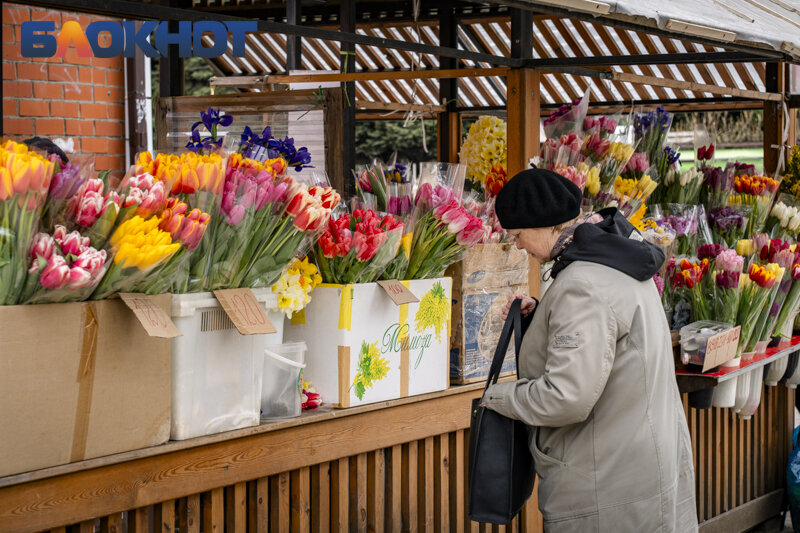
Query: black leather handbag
x,y
501,472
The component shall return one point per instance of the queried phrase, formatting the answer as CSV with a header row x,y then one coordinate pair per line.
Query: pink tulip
x,y
72,244
55,274
42,246
78,278
235,216
91,260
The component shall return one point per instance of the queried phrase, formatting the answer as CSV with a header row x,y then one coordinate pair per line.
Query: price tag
x,y
153,318
398,292
244,311
721,348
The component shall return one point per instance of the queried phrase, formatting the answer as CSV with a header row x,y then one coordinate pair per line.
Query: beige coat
x,y
608,433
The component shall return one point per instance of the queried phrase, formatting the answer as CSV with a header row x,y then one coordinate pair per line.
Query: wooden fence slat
x,y
426,466
442,483
394,490
301,500
376,486
321,497
262,505
164,517
214,511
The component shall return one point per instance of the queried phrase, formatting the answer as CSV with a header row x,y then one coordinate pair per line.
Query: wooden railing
x,y
398,466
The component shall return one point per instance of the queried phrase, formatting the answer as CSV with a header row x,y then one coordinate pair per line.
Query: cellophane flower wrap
x,y
651,131
443,229
295,285
757,192
728,224
681,187
684,219
24,181
357,248
67,180
761,286
186,227
63,268
728,267
785,258
783,221
567,119
137,247
792,303
485,147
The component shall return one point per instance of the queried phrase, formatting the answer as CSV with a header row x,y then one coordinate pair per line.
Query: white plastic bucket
x,y
282,383
725,394
754,397
742,391
216,372
776,371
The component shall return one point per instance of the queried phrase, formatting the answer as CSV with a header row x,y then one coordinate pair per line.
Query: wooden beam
x,y
398,106
693,86
390,75
774,120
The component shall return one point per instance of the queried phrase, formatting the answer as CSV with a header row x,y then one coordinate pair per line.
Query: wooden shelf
x,y
695,381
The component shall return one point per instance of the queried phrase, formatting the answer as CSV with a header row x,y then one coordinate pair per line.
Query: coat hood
x,y
615,243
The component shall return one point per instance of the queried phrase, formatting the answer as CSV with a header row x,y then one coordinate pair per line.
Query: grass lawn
x,y
753,156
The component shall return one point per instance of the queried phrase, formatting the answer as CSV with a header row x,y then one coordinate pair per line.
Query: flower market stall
x,y
235,276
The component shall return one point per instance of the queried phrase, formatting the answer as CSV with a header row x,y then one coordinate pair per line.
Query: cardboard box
x,y
482,283
78,381
347,326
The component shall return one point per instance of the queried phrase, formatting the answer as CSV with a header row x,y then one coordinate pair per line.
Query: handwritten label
x,y
721,348
244,311
398,292
153,318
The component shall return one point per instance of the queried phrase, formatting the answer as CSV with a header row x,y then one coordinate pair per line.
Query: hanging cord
x,y
781,166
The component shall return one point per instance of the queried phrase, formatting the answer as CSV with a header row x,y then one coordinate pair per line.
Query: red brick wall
x,y
71,97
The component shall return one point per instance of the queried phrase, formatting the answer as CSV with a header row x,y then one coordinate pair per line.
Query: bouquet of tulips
x,y
603,126
357,248
68,178
758,293
566,151
63,268
651,130
792,302
755,191
443,229
784,219
785,259
728,267
137,247
728,224
716,188
24,181
681,188
567,119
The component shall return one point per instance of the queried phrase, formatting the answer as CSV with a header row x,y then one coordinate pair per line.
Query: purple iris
x,y
211,118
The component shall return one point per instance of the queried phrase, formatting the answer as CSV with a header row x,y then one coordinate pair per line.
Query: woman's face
x,y
538,242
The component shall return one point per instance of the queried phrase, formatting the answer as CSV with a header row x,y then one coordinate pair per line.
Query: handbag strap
x,y
513,326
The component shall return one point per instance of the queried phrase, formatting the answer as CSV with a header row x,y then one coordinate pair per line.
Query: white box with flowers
x,y
216,371
363,348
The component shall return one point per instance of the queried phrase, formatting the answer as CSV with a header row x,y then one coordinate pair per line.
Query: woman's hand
x,y
527,305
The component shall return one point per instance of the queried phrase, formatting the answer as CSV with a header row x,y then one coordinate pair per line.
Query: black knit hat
x,y
537,198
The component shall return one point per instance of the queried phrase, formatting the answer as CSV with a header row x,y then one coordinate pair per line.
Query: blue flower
x,y
211,118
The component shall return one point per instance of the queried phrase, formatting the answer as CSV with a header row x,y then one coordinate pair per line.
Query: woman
x,y
597,380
